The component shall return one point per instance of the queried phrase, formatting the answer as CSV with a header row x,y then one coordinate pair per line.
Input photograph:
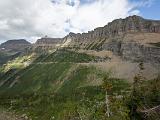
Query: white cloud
x,y
143,3
36,18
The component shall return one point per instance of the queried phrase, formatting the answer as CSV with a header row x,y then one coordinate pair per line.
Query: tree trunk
x,y
107,105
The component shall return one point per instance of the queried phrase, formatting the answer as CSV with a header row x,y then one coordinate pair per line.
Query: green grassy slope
x,y
57,86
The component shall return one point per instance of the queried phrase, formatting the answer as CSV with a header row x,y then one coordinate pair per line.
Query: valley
x,y
110,73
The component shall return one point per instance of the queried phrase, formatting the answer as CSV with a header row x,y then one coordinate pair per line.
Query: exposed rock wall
x,y
136,52
116,31
48,41
45,44
119,27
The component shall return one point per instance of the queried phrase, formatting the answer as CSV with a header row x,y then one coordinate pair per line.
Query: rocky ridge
x,y
129,38
120,27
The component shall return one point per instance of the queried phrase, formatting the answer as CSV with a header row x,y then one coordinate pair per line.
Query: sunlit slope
x,y
46,73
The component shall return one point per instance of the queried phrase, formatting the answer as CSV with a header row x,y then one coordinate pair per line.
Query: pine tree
x,y
136,94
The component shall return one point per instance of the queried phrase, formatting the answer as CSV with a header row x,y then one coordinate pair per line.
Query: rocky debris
x,y
15,45
25,117
7,115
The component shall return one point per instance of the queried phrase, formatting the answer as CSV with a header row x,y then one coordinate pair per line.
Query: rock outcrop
x,y
48,43
135,51
45,44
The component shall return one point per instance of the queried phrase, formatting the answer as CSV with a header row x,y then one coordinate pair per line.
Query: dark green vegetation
x,y
156,44
144,100
6,56
58,86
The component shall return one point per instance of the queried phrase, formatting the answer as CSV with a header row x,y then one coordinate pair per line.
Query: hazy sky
x,y
31,19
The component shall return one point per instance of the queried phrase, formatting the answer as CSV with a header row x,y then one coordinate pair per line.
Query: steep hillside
x,y
61,80
44,69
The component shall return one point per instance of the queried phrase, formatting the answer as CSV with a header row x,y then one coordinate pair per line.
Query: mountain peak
x,y
15,44
16,41
135,17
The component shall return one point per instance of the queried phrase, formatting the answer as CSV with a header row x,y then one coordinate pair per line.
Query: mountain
x,y
12,48
118,27
133,38
15,45
109,73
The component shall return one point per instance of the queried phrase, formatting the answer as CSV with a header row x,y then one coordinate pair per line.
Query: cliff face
x,y
15,45
137,52
141,46
120,27
45,44
48,42
129,38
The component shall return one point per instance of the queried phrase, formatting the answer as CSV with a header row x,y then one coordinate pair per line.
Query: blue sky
x,y
152,11
32,19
